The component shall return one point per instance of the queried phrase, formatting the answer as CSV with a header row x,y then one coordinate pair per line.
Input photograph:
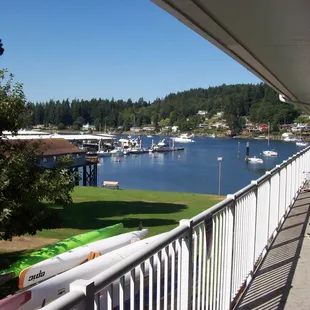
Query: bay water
x,y
196,169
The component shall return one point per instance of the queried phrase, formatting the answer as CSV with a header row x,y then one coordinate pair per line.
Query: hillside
x,y
257,102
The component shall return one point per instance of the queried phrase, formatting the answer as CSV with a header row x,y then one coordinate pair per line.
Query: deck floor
x,y
283,279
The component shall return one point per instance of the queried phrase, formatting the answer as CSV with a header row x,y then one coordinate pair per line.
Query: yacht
x,y
184,138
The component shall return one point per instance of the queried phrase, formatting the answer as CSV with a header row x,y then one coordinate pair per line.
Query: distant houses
x,y
88,127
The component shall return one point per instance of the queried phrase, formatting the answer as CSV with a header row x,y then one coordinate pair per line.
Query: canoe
x,y
70,259
51,289
56,249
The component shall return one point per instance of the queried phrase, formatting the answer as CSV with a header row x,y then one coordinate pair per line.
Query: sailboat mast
x,y
268,133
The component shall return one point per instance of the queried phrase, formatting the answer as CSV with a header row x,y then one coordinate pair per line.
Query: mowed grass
x,y
94,208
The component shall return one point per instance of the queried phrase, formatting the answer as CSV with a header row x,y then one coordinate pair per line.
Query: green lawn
x,y
94,208
159,211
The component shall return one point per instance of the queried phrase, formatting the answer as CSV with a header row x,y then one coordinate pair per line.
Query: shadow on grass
x,y
96,214
6,259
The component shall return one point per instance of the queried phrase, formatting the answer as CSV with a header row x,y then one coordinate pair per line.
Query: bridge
x,y
243,252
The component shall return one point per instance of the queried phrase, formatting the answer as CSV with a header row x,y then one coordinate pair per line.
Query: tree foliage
x,y
25,187
257,102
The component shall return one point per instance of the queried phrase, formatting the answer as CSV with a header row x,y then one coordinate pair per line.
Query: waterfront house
x,y
53,149
88,127
135,129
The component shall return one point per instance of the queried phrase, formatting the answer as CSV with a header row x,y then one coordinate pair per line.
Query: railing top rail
x,y
105,278
207,213
66,301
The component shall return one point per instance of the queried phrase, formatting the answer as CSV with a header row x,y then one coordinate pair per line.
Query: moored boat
x,y
255,160
184,138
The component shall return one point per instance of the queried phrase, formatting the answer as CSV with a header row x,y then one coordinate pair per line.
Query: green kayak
x,y
58,248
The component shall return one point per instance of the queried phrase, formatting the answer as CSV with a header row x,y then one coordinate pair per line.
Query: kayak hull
x,y
70,259
58,248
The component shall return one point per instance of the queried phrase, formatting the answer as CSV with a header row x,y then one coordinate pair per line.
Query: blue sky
x,y
107,48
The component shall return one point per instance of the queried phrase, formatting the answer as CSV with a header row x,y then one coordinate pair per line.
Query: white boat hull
x,y
183,140
255,160
49,290
68,260
270,153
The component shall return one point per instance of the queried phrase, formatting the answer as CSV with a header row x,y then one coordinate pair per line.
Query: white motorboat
x,y
149,136
117,152
184,138
255,160
104,154
302,143
213,136
270,153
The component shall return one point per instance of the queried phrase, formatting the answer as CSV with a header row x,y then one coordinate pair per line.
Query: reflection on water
x,y
196,168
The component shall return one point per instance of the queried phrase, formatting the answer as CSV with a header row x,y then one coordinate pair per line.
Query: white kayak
x,y
51,289
68,260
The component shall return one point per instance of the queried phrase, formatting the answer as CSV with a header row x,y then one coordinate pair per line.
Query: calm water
x,y
195,169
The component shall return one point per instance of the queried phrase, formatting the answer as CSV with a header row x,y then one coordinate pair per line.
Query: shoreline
x,y
196,134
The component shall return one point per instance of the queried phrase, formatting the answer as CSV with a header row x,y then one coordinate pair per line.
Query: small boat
x,y
260,138
149,136
117,152
184,138
213,136
104,154
269,152
255,160
138,150
302,143
70,259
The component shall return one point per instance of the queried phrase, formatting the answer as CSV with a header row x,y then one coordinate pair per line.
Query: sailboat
x,y
269,152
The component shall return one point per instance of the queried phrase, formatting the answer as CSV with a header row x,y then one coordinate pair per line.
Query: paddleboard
x,y
51,289
70,259
56,249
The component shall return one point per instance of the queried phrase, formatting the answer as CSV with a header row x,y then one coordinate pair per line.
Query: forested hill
x,y
258,102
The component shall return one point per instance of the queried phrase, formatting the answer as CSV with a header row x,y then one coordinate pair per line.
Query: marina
x,y
194,168
161,163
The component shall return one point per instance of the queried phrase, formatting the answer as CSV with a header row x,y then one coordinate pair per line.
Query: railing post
x,y
269,206
255,224
186,266
279,197
88,288
230,262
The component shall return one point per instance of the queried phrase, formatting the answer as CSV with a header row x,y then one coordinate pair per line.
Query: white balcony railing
x,y
207,261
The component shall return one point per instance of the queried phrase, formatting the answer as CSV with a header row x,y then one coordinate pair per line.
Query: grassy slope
x,y
159,211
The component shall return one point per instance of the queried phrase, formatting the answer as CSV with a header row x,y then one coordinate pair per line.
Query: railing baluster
x,y
151,281
207,271
141,293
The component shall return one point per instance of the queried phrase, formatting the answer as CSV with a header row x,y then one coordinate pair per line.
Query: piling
x,y
247,151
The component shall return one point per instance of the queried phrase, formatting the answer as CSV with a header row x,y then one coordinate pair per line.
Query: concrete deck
x,y
283,279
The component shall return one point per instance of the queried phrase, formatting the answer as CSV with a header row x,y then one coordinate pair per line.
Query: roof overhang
x,y
270,38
